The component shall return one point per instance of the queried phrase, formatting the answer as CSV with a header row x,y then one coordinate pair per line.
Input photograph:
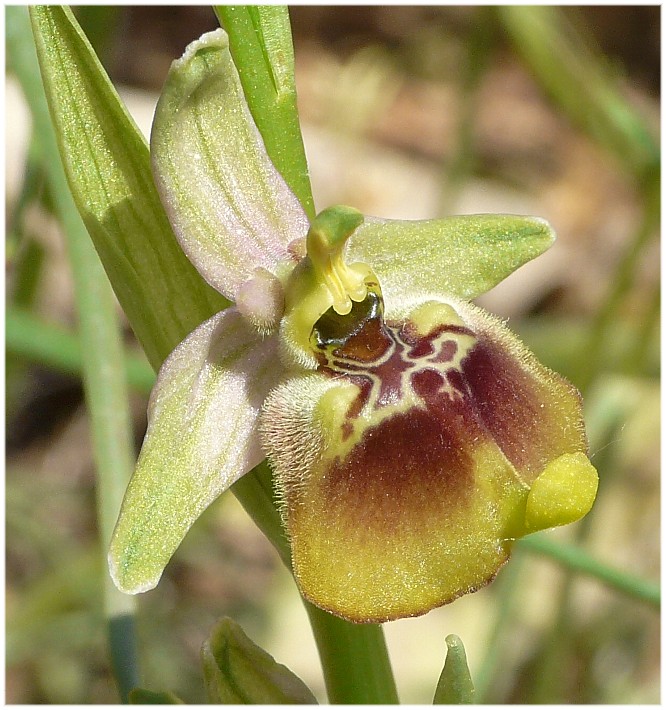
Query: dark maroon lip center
x,y
426,443
374,351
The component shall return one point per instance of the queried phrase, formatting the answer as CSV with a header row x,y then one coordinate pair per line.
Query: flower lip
x,y
425,447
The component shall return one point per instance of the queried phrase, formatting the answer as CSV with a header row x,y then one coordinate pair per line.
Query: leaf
x,y
261,45
238,672
462,256
231,210
108,168
201,438
455,685
140,696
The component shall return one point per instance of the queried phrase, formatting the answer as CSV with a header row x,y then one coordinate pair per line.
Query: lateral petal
x,y
201,438
230,208
462,256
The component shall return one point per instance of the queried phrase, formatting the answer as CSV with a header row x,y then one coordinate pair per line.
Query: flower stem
x,y
357,669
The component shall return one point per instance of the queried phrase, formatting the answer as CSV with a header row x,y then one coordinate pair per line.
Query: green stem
x,y
262,48
103,369
574,558
256,494
357,669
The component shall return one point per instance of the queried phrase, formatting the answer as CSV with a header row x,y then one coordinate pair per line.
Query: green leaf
x,y
140,696
108,168
102,357
261,45
455,685
461,256
201,438
231,210
238,672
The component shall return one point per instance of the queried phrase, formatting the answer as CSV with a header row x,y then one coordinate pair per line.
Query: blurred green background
x,y
408,112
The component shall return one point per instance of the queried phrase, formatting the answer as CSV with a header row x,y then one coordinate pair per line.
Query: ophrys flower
x,y
412,437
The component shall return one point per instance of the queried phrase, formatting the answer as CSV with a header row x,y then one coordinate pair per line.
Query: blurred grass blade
x,y
581,84
107,164
36,341
238,672
103,367
140,696
573,558
455,685
262,48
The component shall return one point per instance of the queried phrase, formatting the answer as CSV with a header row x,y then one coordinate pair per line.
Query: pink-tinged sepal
x,y
402,483
201,438
230,209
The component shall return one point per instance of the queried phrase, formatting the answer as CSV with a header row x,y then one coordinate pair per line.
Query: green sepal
x,y
107,164
140,696
455,685
461,256
238,672
201,438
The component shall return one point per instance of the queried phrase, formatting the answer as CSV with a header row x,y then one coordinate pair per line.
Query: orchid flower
x,y
412,437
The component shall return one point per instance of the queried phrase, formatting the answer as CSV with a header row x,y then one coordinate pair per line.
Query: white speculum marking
x,y
386,381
